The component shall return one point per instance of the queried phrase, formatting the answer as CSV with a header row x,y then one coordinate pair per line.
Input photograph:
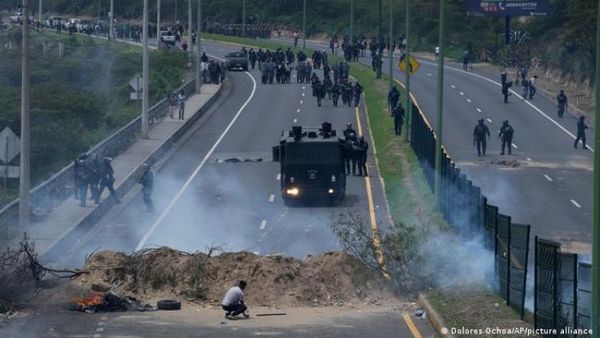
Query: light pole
x,y
190,23
408,109
243,18
157,24
596,208
40,11
440,101
24,183
199,50
351,20
145,75
380,42
111,19
304,25
390,49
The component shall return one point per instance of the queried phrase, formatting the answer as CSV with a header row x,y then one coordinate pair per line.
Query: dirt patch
x,y
333,278
474,307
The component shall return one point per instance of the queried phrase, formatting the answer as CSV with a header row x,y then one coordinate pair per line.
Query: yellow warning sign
x,y
412,63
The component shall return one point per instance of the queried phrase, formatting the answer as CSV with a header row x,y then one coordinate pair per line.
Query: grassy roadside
x,y
411,202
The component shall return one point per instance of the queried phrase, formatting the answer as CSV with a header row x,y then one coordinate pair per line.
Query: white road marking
x,y
548,178
303,87
100,323
462,94
575,203
272,198
515,146
301,101
514,93
263,224
99,329
429,74
298,110
191,178
528,158
469,100
479,110
490,121
303,94
97,335
453,86
295,120
278,177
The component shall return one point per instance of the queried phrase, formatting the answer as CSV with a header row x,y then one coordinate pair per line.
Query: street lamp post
x,y
190,23
199,49
111,18
40,11
24,183
243,18
145,75
158,24
304,25
408,109
440,101
596,202
380,42
391,38
351,21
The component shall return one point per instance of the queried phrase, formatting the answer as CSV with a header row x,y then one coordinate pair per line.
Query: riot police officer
x,y
581,127
335,94
363,147
147,182
506,136
107,179
398,114
562,103
479,137
393,97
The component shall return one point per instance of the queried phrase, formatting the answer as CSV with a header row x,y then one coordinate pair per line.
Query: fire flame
x,y
94,299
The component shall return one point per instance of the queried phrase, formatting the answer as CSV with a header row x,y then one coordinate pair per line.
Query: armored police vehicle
x,y
237,60
312,164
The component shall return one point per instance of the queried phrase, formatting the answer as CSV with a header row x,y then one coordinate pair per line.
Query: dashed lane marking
x,y
411,326
301,101
278,177
99,329
263,224
515,146
548,178
197,170
303,87
575,203
462,94
528,158
272,198
429,74
298,110
490,121
469,100
479,110
453,86
303,94
295,120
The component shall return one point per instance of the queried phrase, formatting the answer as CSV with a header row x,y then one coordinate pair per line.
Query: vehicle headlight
x,y
293,191
330,191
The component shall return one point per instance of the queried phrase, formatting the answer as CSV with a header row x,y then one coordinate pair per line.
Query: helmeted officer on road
x,y
363,147
398,114
147,182
562,103
479,137
581,127
349,131
393,97
506,136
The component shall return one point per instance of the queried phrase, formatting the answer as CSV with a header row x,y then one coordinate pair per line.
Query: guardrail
x,y
52,192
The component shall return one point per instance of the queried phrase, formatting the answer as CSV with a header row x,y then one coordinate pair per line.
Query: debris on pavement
x,y
330,279
271,314
108,302
421,313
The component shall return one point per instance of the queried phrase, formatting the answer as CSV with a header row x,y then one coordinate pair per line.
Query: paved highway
x,y
208,194
551,189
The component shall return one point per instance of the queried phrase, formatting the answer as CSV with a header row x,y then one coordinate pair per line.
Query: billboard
x,y
507,7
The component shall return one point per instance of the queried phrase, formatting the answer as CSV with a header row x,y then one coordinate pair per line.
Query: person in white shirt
x,y
437,52
233,302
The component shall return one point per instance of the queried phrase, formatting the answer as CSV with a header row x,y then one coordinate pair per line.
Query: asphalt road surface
x,y
551,188
220,188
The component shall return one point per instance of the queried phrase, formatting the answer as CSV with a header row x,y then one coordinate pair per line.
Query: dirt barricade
x,y
333,278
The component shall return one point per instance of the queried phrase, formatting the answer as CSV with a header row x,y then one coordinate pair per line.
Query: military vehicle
x,y
237,60
312,165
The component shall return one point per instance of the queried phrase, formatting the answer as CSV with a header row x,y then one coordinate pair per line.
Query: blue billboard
x,y
507,7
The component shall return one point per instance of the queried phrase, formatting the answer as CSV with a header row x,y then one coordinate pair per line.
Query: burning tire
x,y
168,304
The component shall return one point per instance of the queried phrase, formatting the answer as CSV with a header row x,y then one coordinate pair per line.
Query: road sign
x,y
10,145
413,64
137,83
507,7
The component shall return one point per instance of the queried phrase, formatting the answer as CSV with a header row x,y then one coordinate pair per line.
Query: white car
x,y
17,18
167,37
72,23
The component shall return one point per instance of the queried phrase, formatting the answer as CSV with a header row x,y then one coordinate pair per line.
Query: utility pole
x,y
199,50
40,11
440,101
157,24
145,74
24,183
243,18
190,24
390,48
408,106
176,14
596,208
351,21
304,25
380,42
111,17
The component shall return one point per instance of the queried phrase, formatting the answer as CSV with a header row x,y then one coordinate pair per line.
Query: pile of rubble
x,y
333,278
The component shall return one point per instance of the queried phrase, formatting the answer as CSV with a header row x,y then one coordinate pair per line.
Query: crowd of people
x,y
355,152
93,175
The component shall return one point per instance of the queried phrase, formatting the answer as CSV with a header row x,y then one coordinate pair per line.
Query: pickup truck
x,y
237,60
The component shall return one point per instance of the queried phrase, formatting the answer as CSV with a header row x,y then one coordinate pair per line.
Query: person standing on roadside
x,y
532,89
181,102
562,103
581,127
506,136
147,182
479,137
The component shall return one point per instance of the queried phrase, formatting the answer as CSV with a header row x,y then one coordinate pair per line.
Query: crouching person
x,y
233,302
